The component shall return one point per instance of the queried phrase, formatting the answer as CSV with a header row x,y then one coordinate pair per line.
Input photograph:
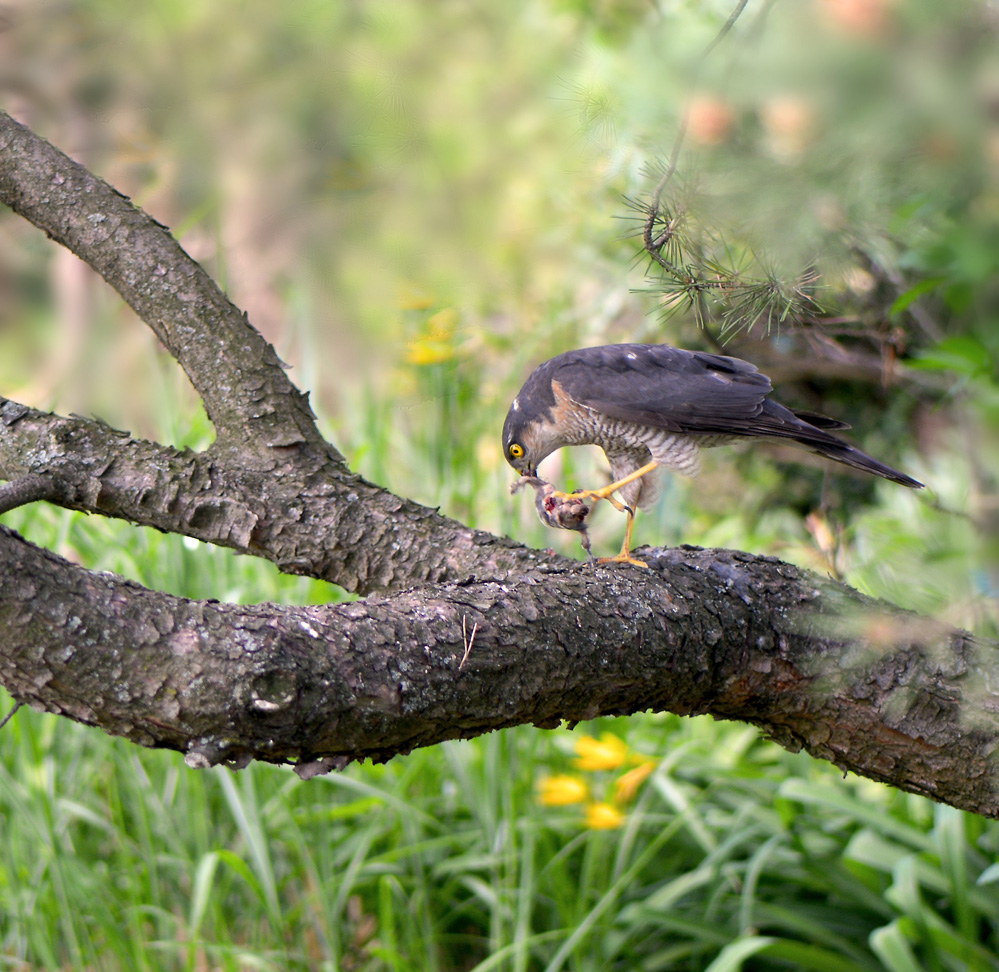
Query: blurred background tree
x,y
416,202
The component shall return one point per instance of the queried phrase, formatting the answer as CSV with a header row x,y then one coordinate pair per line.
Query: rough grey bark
x,y
913,704
489,634
299,510
249,399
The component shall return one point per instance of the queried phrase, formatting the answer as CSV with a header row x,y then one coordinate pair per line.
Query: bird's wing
x,y
700,394
668,388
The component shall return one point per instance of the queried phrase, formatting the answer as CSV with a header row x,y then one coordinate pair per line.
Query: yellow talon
x,y
605,492
622,558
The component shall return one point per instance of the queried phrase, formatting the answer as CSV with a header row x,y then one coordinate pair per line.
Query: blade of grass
x,y
891,946
731,957
244,809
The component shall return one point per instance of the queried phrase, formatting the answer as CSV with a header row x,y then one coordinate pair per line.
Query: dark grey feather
x,y
690,392
664,387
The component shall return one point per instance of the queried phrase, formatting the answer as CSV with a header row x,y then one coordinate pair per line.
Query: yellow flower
x,y
436,344
488,454
441,326
602,816
425,352
411,296
606,753
626,785
561,791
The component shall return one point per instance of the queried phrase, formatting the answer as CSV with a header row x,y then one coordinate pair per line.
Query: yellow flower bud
x,y
561,791
606,753
602,816
626,785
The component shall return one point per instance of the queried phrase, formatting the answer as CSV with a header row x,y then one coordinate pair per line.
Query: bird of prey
x,y
652,405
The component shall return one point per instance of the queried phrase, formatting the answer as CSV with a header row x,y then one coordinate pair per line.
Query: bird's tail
x,y
849,455
812,431
819,420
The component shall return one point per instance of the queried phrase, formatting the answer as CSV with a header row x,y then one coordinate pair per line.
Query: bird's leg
x,y
624,557
605,491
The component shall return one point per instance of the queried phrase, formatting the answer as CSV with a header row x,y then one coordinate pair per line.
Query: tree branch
x,y
815,664
304,513
29,489
247,395
271,485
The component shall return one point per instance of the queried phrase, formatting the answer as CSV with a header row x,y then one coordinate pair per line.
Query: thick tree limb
x,y
303,513
246,393
816,665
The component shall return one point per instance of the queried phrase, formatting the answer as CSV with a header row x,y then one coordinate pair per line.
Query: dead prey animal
x,y
558,510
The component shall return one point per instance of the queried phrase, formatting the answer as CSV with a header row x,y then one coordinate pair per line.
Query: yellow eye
x,y
516,451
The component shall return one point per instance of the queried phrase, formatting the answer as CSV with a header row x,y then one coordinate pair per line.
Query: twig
x,y
10,715
28,489
468,642
682,131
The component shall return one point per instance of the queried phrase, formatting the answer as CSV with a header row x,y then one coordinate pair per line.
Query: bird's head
x,y
525,443
530,432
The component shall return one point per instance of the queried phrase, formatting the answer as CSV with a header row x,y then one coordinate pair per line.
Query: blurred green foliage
x,y
417,202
